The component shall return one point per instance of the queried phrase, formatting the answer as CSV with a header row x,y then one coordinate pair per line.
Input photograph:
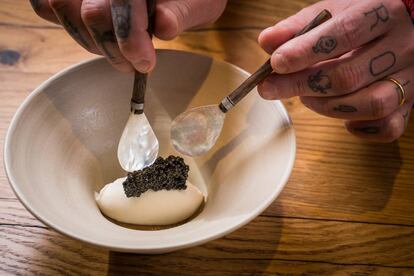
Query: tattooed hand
x,y
117,29
339,69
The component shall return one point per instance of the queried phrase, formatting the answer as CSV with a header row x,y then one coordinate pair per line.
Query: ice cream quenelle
x,y
157,195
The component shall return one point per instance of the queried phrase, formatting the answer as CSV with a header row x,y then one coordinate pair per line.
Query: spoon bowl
x,y
138,146
195,131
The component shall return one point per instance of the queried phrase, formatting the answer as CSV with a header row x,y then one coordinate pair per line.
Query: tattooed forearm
x,y
368,130
345,108
121,16
382,63
104,41
73,31
325,45
319,82
380,14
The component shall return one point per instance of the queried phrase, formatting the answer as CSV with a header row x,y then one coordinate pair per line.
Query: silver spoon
x,y
138,146
195,131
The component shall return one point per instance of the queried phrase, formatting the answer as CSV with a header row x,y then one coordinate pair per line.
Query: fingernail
x,y
263,33
143,66
279,63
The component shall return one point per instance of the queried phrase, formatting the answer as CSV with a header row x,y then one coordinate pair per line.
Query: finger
x,y
271,38
96,15
373,102
130,24
357,26
343,75
42,9
68,13
174,17
383,130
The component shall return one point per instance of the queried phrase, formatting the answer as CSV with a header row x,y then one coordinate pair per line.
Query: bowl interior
x,y
61,148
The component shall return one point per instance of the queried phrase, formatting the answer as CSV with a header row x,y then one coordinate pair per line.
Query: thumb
x,y
175,16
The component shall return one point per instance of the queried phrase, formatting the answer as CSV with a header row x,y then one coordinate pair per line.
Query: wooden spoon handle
x,y
266,69
140,79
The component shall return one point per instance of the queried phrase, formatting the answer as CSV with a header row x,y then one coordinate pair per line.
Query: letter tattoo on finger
x,y
368,130
345,108
319,82
121,16
325,44
382,63
380,14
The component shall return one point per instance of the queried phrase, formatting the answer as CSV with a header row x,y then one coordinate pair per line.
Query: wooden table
x,y
348,206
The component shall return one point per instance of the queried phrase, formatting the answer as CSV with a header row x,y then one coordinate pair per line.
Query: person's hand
x,y
340,68
116,29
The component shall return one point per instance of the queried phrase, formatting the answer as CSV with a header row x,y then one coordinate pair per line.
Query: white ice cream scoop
x,y
150,208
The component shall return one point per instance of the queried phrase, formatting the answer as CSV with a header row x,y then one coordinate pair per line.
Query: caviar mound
x,y
170,173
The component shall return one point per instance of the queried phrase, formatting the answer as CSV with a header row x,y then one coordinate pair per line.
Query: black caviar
x,y
170,173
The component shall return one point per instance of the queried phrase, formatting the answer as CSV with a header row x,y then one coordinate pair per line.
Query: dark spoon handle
x,y
140,79
266,69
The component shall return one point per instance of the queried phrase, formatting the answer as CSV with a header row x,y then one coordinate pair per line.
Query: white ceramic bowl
x,y
61,148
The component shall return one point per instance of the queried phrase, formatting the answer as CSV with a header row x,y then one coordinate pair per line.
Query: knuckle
x,y
394,129
127,49
347,78
92,12
117,62
295,55
348,27
377,103
182,10
396,7
409,47
217,8
264,90
299,87
122,65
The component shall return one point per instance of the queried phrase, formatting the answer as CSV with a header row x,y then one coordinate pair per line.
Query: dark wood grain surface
x,y
348,207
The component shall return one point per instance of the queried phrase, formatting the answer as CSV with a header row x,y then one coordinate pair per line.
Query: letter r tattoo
x,y
380,13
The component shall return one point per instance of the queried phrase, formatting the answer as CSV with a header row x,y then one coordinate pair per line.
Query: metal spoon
x,y
194,132
138,146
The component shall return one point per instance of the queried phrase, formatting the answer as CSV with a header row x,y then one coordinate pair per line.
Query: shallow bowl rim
x,y
147,249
